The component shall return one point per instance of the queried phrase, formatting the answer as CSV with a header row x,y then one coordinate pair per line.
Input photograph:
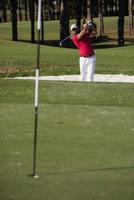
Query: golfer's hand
x,y
85,26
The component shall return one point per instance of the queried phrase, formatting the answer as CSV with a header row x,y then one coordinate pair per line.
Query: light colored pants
x,y
87,68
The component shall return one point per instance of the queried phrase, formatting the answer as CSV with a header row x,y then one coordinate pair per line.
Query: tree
x,y
26,11
20,9
58,8
121,23
32,12
64,20
89,15
4,4
130,11
42,23
0,11
78,13
100,15
14,20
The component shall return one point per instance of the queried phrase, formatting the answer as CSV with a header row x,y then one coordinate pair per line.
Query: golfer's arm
x,y
83,32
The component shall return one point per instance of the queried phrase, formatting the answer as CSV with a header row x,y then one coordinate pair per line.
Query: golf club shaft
x,y
65,39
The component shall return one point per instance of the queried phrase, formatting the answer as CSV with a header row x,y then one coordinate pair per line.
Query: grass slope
x,y
85,141
19,58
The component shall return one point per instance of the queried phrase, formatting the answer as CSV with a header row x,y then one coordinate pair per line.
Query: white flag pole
x,y
37,91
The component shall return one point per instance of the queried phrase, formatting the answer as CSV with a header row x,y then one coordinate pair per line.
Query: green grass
x,y
19,58
85,141
85,130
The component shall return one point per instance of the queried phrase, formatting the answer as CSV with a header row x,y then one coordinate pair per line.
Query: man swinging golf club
x,y
82,40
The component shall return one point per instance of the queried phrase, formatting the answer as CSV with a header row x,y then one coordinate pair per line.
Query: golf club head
x,y
60,44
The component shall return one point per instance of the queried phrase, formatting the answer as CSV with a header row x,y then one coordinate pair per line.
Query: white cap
x,y
73,26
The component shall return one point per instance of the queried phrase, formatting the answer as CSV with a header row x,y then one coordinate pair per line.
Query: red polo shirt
x,y
84,44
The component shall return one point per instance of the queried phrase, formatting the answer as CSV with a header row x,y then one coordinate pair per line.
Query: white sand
x,y
98,78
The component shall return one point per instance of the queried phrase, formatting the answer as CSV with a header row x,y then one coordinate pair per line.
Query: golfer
x,y
87,60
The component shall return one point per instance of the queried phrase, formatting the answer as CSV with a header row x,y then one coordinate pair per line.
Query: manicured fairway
x,y
85,141
19,58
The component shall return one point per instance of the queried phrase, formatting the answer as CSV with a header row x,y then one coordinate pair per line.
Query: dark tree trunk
x,y
79,13
58,9
32,11
121,41
20,9
42,23
84,9
50,10
14,20
1,13
4,3
116,6
25,6
100,15
64,20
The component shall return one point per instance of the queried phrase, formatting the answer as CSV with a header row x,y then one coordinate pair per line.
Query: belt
x,y
90,55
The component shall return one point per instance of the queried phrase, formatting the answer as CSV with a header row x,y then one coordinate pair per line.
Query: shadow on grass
x,y
69,44
99,43
89,170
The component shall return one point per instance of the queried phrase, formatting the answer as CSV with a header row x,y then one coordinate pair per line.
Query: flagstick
x,y
37,91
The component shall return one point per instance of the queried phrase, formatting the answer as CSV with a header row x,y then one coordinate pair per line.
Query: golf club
x,y
65,39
